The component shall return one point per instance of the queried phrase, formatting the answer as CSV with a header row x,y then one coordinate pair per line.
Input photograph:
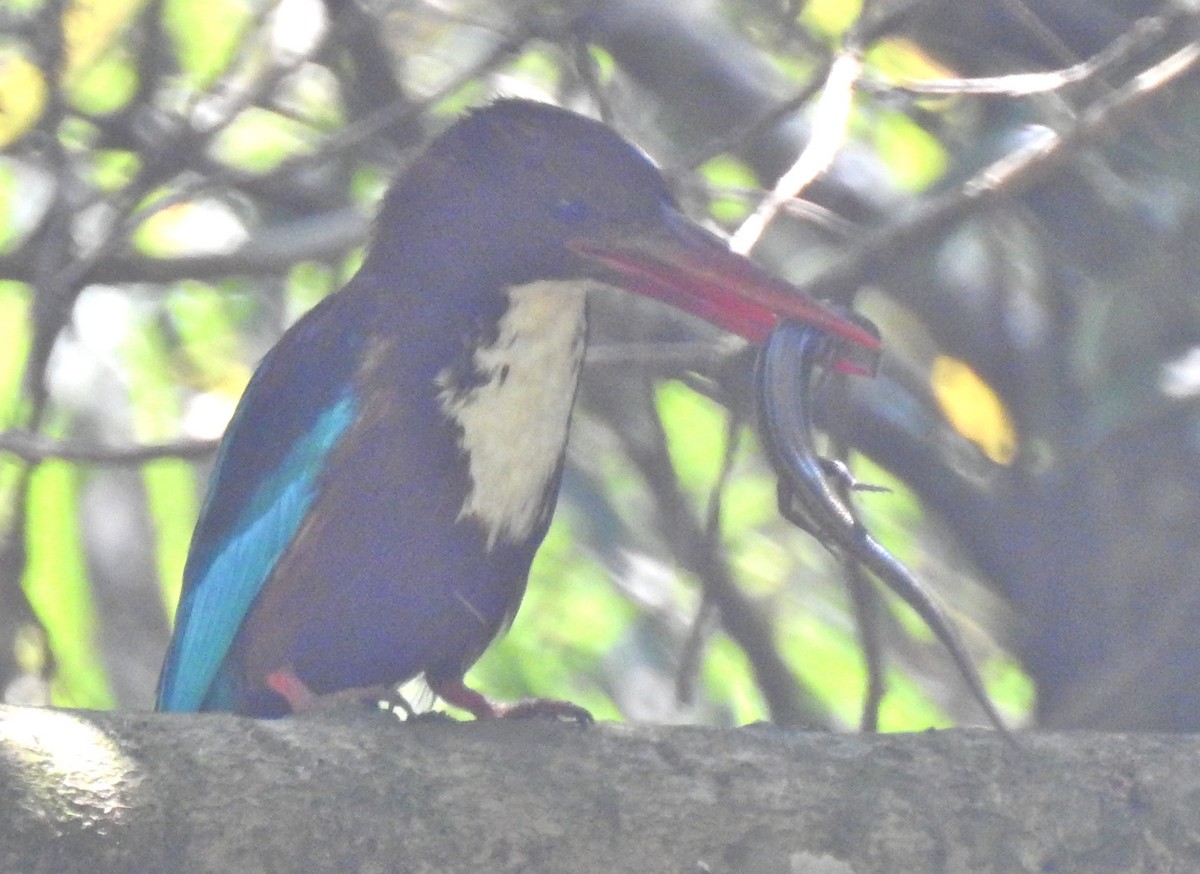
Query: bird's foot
x,y
456,692
302,699
542,708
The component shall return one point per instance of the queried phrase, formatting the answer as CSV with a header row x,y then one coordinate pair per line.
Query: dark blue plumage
x,y
394,462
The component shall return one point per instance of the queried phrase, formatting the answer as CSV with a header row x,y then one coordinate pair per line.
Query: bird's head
x,y
526,191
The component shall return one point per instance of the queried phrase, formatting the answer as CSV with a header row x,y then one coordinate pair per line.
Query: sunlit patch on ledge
x,y
74,776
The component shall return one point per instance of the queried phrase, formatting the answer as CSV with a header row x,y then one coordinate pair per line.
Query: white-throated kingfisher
x,y
394,462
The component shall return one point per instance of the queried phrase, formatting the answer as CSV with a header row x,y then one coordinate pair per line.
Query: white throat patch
x,y
514,415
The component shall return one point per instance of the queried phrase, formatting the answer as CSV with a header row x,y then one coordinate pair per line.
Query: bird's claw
x,y
455,692
543,708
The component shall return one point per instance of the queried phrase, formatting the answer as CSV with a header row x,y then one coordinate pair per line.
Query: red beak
x,y
680,263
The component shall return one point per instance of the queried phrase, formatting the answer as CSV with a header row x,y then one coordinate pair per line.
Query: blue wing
x,y
298,406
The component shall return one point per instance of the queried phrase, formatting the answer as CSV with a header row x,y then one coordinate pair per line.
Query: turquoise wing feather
x,y
292,417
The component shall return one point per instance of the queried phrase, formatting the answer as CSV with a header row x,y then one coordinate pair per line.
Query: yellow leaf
x,y
89,28
22,95
901,58
973,408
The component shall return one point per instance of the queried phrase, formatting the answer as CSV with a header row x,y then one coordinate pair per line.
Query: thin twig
x,y
36,448
1142,34
1003,178
830,123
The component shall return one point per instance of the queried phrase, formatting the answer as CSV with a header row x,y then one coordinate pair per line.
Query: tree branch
x,y
92,792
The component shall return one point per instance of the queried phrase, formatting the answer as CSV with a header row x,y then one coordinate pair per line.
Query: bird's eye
x,y
572,211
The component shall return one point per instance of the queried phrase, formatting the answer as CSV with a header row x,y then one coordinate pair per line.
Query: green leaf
x,y
14,316
915,157
307,284
831,17
206,35
695,427
57,586
259,140
107,84
725,172
728,680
